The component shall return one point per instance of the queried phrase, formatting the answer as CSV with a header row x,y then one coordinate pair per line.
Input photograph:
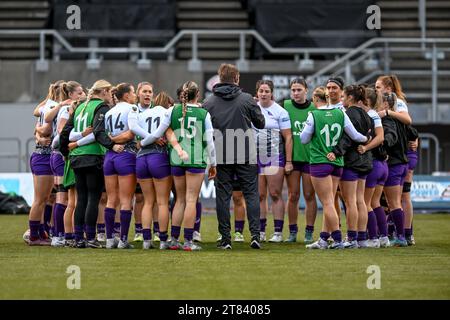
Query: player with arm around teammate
x,y
324,128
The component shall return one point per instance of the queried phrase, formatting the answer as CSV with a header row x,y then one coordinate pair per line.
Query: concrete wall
x,y
16,122
22,87
22,83
25,84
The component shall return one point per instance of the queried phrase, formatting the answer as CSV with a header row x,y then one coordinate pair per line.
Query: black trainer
x,y
80,244
94,244
70,243
254,244
225,245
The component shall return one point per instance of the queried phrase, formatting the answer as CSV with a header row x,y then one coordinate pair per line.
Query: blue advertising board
x,y
428,193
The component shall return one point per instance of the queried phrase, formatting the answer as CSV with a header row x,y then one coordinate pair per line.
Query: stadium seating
x,y
113,23
400,18
210,15
24,15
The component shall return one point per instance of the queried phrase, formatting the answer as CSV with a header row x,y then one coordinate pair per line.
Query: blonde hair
x,y
190,91
321,93
54,90
68,87
97,88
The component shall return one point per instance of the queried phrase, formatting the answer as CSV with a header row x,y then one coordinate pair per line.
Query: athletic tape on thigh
x,y
406,187
61,188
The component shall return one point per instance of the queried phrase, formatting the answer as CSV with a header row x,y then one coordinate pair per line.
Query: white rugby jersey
x,y
63,113
49,104
150,119
143,123
375,117
116,119
338,105
269,140
401,106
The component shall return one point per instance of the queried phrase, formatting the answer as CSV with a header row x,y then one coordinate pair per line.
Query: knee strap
x,y
406,187
60,188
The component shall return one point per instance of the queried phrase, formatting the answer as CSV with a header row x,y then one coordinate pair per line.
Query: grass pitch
x,y
278,271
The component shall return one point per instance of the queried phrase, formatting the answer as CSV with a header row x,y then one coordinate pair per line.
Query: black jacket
x,y
412,133
100,136
348,148
397,151
390,138
234,111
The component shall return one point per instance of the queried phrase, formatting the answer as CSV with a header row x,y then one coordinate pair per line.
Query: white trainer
x,y
373,243
384,242
101,237
219,237
196,236
262,236
277,237
238,237
147,244
124,245
319,244
58,242
112,243
191,246
164,245
363,244
351,244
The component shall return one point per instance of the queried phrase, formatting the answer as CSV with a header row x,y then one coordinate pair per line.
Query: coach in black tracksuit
x,y
232,113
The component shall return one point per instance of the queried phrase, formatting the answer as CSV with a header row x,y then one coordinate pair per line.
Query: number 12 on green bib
x,y
328,127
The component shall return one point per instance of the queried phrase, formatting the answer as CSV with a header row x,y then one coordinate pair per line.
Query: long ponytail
x,y
190,91
393,83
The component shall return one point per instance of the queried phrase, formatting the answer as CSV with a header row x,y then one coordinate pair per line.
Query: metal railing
x,y
425,153
429,48
193,33
351,57
13,155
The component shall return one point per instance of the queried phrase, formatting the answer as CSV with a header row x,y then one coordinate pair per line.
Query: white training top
x,y
143,123
338,105
63,113
349,128
401,106
49,104
116,119
269,140
375,117
141,108
149,124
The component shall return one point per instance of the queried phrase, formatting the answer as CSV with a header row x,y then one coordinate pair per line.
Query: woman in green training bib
x,y
324,128
298,108
87,160
191,128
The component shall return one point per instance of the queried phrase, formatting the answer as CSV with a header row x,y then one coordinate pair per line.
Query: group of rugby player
x,y
111,152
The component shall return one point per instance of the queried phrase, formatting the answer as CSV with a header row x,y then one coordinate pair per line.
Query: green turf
x,y
279,271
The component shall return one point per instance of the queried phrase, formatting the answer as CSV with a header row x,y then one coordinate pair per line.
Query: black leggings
x,y
89,184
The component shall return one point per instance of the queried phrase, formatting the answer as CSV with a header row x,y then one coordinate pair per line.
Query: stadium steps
x,y
400,19
212,15
24,15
